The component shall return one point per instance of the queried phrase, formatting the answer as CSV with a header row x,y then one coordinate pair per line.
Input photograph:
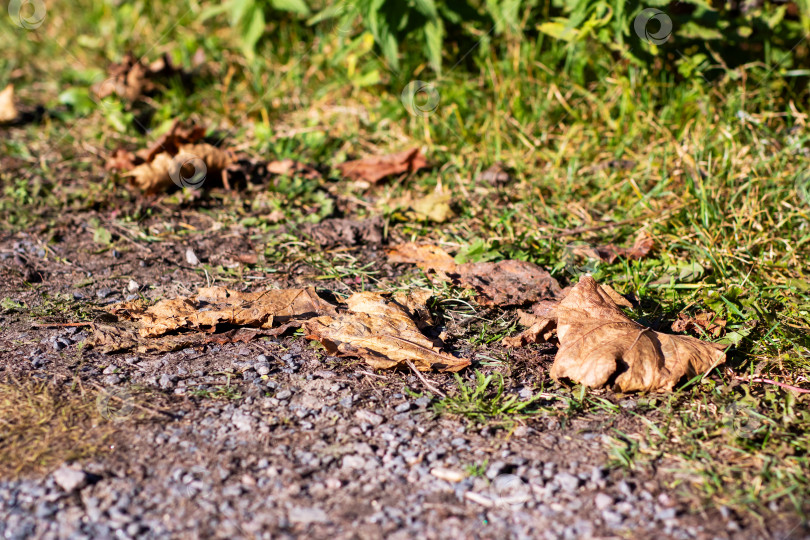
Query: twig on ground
x,y
368,373
771,381
67,325
425,381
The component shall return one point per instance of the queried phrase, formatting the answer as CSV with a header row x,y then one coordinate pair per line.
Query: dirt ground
x,y
272,438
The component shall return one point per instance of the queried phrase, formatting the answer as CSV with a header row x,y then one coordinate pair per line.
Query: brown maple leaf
x,y
601,346
384,331
373,169
504,283
213,306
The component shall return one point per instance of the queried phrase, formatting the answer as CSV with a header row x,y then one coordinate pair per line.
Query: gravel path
x,y
335,453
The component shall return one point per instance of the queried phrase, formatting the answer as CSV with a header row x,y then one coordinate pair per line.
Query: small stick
x,y
771,381
369,374
425,381
68,325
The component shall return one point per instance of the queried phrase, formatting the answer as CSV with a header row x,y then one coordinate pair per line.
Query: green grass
x,y
484,401
716,174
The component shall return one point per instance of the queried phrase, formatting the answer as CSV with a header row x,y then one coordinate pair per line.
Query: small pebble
x,y
69,479
191,257
449,475
403,407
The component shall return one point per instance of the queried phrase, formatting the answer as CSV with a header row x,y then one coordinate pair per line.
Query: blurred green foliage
x,y
697,37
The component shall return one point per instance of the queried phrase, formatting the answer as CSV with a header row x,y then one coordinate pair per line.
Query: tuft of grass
x,y
484,401
42,425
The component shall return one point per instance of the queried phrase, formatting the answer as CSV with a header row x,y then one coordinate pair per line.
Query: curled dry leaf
x,y
171,141
164,170
8,109
213,306
178,157
373,169
505,283
641,247
705,321
121,160
600,346
131,78
384,332
290,167
496,175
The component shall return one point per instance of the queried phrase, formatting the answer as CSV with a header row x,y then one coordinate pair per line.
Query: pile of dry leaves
x,y
597,344
384,330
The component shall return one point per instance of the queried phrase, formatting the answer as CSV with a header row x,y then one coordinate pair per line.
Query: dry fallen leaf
x,y
383,332
213,306
375,168
434,206
289,167
425,256
131,78
705,321
496,175
600,346
505,283
109,339
121,160
346,232
540,330
641,247
541,323
8,110
171,141
190,166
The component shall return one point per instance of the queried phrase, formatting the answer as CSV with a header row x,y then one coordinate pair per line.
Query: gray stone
x,y
612,518
364,415
568,482
353,462
262,369
662,514
602,501
403,407
307,515
191,257
495,469
104,292
242,421
423,401
69,479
